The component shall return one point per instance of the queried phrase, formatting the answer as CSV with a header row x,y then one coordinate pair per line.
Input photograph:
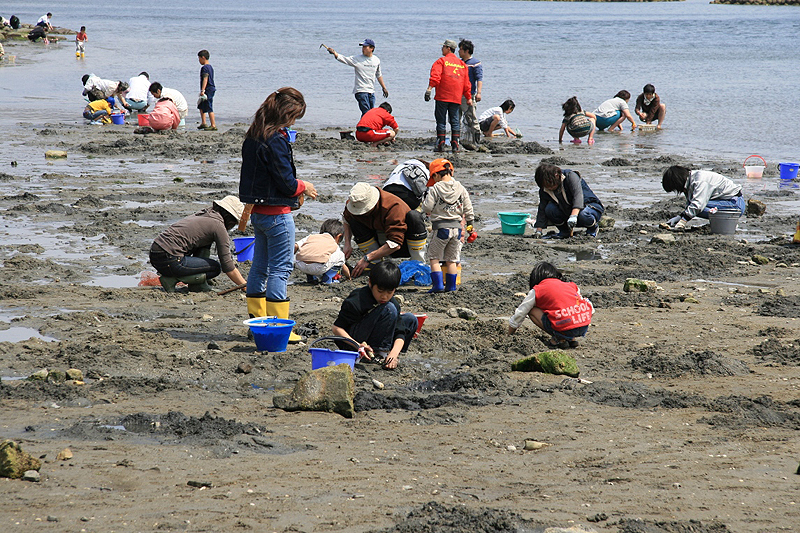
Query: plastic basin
x,y
243,247
271,334
513,223
724,221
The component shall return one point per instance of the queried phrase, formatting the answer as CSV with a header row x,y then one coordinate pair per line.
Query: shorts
x,y
566,335
372,136
445,245
604,122
207,105
580,128
486,124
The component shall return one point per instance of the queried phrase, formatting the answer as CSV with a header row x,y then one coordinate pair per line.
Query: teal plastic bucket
x,y
322,357
788,170
243,248
119,118
271,334
512,223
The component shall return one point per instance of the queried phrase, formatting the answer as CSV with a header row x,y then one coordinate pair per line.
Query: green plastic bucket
x,y
513,223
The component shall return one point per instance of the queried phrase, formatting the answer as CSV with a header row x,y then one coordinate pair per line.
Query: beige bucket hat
x,y
363,198
232,205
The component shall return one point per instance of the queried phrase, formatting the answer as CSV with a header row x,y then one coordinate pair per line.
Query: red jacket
x,y
563,304
376,118
450,77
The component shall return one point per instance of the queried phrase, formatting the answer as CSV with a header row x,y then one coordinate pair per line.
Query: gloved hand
x,y
680,225
427,96
572,221
674,220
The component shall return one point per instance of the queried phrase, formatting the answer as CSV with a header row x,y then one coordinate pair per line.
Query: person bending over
x,y
704,191
372,128
611,113
371,317
649,106
566,201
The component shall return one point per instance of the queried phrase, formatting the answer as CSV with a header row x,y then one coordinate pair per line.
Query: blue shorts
x,y
604,122
567,335
207,105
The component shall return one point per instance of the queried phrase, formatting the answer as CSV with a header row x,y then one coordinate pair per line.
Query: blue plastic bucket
x,y
788,170
119,118
513,223
321,357
243,248
292,136
271,334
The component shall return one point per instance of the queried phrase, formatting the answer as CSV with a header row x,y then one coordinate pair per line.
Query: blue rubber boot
x,y
450,284
438,283
328,276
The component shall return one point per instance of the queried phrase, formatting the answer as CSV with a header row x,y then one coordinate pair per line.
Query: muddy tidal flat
x,y
685,417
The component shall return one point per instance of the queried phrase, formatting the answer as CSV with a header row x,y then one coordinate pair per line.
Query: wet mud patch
x,y
738,412
637,396
658,526
616,162
704,363
614,299
516,147
773,350
781,306
434,517
30,269
40,391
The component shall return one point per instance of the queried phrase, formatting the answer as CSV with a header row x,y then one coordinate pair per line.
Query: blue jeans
x,y
382,326
178,267
737,202
138,105
604,122
587,217
272,255
366,101
444,111
94,116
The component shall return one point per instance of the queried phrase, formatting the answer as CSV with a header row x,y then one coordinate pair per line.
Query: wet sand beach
x,y
685,416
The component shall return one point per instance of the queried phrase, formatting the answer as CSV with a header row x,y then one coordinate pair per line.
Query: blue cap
x,y
111,100
367,42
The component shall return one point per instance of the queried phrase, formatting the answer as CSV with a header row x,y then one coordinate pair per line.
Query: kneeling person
x,y
371,127
181,253
319,256
371,316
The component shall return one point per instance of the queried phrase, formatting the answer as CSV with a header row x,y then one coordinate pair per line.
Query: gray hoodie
x,y
704,185
446,202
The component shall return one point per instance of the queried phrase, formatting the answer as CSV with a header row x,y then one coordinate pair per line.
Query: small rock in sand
x,y
462,312
55,154
64,455
31,475
39,375
607,222
244,368
639,285
377,384
663,238
74,374
755,208
760,259
534,445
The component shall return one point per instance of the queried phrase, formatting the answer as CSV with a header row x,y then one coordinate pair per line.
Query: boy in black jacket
x,y
371,316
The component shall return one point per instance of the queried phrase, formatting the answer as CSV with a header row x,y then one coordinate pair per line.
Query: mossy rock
x,y
639,285
550,362
14,462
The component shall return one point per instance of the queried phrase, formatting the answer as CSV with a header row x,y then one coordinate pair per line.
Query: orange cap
x,y
437,165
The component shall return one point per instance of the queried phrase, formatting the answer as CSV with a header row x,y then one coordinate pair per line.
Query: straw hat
x,y
363,198
232,205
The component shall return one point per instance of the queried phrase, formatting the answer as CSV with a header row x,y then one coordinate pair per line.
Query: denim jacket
x,y
268,175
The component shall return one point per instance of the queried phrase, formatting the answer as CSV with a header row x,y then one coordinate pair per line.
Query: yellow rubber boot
x,y
281,310
256,306
416,249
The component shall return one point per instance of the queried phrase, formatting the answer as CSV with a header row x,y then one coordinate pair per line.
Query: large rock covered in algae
x,y
14,462
330,389
551,362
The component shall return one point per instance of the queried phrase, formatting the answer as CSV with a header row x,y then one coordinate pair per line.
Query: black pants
x,y
404,193
416,232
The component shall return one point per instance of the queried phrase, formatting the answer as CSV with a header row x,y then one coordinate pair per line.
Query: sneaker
x,y
211,128
592,231
96,123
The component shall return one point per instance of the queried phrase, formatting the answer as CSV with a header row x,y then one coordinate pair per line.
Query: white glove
x,y
680,225
572,221
674,220
531,222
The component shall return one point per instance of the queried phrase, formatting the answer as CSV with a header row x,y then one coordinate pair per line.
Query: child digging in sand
x,y
318,256
447,202
371,317
577,122
555,306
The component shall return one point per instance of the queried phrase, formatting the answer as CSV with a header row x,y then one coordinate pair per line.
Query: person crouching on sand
x,y
377,126
577,122
555,306
566,201
704,191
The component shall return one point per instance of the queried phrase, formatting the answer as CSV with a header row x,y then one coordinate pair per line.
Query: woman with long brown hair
x,y
269,182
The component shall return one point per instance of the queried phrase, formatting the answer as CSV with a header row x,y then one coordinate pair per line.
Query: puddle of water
x,y
144,223
118,428
8,316
733,284
586,255
114,282
17,334
12,378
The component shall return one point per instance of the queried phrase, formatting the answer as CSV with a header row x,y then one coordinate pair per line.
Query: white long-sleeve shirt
x,y
367,69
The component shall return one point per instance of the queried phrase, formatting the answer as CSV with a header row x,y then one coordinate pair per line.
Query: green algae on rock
x,y
550,362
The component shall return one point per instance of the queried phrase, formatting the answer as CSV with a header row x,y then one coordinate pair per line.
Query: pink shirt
x,y
165,116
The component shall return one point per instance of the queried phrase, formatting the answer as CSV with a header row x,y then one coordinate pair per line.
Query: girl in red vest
x,y
555,306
